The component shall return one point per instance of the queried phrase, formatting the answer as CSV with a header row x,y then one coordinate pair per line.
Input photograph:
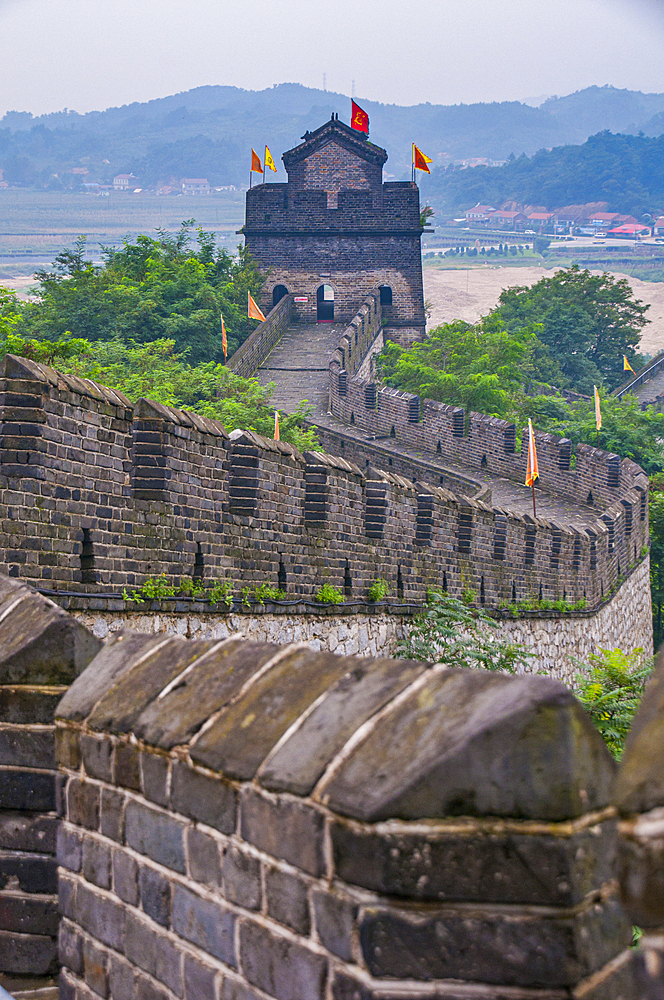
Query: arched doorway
x,y
278,293
386,300
325,304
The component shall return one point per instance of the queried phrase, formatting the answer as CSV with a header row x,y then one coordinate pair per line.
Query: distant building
x,y
658,228
630,229
481,214
125,182
508,220
195,185
541,219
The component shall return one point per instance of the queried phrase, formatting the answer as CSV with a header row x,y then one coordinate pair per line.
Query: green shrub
x,y
329,595
449,631
264,592
155,588
190,587
222,593
378,590
610,689
468,595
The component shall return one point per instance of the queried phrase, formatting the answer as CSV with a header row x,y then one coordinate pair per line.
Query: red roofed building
x,y
481,214
508,220
630,229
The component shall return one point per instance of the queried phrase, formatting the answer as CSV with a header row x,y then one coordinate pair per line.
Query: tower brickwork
x,y
335,231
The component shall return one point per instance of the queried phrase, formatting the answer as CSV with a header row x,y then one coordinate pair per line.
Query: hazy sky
x,y
90,54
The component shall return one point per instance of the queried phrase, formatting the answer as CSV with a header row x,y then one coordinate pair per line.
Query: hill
x,y
625,171
209,130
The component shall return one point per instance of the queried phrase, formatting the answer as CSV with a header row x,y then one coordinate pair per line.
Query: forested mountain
x,y
208,132
626,171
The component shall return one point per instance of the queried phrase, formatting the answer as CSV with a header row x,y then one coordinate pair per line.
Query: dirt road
x,y
471,294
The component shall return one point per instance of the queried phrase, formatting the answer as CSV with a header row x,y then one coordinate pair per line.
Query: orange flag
x,y
420,160
532,471
276,425
224,340
359,119
253,312
256,163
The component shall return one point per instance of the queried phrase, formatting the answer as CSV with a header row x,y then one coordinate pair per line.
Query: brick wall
x,y
239,821
42,650
96,495
479,441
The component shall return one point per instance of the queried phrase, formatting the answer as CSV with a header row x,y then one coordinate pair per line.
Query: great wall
x,y
280,819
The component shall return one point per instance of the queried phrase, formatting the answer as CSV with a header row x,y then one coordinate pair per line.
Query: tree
x,y
588,320
150,289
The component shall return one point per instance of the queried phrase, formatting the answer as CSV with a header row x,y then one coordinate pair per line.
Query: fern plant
x,y
610,689
329,595
378,590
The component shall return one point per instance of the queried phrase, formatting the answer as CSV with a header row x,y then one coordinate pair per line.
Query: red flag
x,y
253,311
420,160
359,119
256,166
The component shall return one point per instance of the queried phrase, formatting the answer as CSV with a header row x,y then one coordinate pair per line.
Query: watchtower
x,y
335,231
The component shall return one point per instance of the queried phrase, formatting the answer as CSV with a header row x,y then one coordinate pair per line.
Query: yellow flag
x,y
276,425
420,160
253,311
532,470
598,411
268,161
224,340
627,367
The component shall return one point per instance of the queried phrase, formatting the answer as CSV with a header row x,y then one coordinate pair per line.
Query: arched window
x,y
278,293
325,304
386,300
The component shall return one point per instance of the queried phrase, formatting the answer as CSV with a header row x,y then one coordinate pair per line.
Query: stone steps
x,y
298,364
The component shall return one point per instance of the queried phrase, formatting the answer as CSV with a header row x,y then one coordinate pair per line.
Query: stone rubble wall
x,y
255,822
557,641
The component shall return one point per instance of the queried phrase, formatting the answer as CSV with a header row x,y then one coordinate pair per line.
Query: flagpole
x,y
264,155
534,507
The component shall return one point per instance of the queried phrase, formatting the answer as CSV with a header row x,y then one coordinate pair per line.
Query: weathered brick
x,y
203,854
287,900
279,966
112,814
101,916
199,979
335,922
242,878
285,829
96,865
96,754
83,804
154,777
96,968
206,924
69,848
155,834
208,800
155,891
125,877
126,767
121,979
70,946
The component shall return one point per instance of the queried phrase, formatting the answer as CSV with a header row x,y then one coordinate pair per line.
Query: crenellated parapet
x,y
97,494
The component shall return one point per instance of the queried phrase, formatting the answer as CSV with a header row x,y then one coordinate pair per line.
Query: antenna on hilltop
x,y
324,81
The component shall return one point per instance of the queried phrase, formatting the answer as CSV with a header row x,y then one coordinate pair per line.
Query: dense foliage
x,y
610,689
151,289
626,171
570,330
455,633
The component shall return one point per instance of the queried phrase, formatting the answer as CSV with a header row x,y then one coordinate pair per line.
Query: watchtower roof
x,y
335,131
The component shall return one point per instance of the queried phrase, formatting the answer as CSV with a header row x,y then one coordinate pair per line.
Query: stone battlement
x,y
97,494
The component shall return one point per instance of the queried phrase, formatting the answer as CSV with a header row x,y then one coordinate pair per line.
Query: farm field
x,y
471,293
36,225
